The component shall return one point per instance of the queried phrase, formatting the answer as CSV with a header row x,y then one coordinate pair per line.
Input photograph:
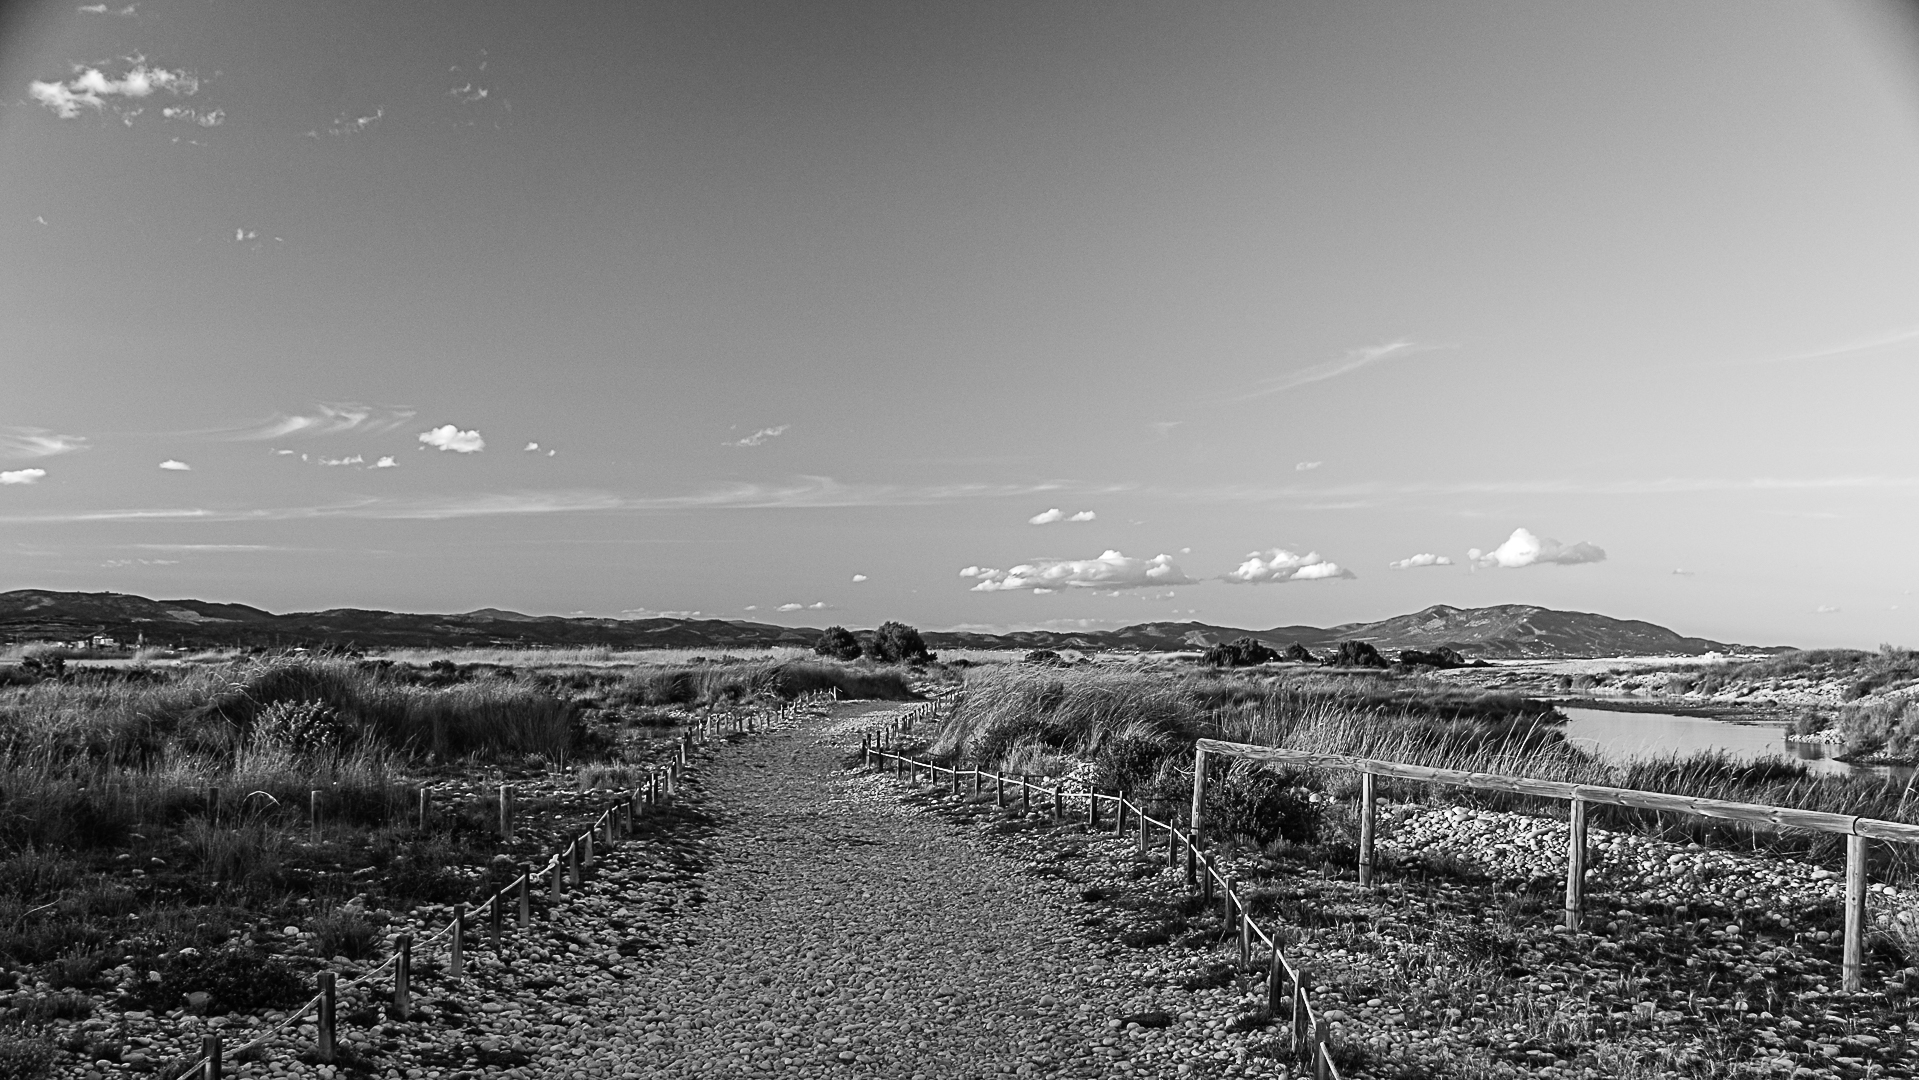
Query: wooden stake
x,y
1855,914
402,979
328,1045
496,921
1274,1002
1576,864
425,802
1092,809
313,812
573,864
210,1046
526,900
1368,815
506,813
456,943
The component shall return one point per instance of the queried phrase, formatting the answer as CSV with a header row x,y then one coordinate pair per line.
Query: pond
x,y
1621,737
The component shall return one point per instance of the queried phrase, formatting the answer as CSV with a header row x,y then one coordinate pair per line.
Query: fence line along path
x,y
837,933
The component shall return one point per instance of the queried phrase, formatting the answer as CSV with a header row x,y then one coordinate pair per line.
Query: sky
x,y
986,315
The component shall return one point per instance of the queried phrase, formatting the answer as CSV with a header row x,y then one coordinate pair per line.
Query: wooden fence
x,y
1856,830
561,872
1286,994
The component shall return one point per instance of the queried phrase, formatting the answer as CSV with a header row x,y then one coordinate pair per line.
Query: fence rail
x,y
1856,830
561,871
1311,1041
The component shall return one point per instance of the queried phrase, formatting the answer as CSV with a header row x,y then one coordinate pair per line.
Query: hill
x,y
1509,631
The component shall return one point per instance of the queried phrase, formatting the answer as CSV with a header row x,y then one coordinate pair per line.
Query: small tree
x,y
896,643
839,643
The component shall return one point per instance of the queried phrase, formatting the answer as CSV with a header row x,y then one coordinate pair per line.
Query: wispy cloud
x,y
1111,570
22,476
1307,466
356,459
649,613
1858,347
202,117
326,418
1826,609
348,124
102,9
1048,517
93,89
1355,496
449,437
820,605
1354,360
1278,565
32,442
1415,562
172,465
761,436
1523,549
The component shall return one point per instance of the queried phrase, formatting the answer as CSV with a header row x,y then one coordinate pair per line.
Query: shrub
x,y
1262,805
1243,652
24,1058
1300,654
896,643
344,933
305,726
1357,654
838,643
235,980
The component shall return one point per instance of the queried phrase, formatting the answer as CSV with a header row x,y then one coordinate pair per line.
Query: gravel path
x,y
834,932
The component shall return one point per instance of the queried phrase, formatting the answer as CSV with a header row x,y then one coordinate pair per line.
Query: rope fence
x,y
561,872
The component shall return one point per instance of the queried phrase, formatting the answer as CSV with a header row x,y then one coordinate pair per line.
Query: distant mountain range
x,y
1509,631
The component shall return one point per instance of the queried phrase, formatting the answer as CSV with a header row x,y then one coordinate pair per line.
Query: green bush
x,y
896,643
235,980
305,726
1261,804
838,643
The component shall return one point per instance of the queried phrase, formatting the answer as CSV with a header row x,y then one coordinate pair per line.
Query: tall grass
x,y
707,684
597,655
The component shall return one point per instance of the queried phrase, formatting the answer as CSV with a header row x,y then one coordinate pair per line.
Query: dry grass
x,y
592,656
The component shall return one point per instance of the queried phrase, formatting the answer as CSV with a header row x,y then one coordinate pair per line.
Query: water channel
x,y
1621,737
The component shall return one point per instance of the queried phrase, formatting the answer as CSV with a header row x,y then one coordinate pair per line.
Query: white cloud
x,y
348,124
761,436
1111,570
1683,572
751,607
1047,517
468,93
206,118
1330,369
1163,428
327,418
31,442
102,9
647,613
857,578
790,607
1826,609
1522,548
386,463
1083,515
92,88
175,466
354,460
22,476
1424,558
820,605
1278,564
449,437
530,447
1305,466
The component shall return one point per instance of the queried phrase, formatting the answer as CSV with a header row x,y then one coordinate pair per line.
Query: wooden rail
x,y
1856,830
1287,999
562,869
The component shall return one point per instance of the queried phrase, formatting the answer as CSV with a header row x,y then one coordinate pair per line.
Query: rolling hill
x,y
1509,631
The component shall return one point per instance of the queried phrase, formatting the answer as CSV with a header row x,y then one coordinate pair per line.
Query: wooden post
x,y
559,887
1245,936
426,801
1172,848
1368,815
999,789
1205,870
1119,813
1855,913
586,840
1192,863
1025,794
1322,1060
313,812
1299,1013
1576,864
328,1044
496,920
402,978
1142,829
573,864
1092,809
1198,823
456,943
975,772
526,900
210,1046
956,779
606,829
1274,1002
506,813
1059,804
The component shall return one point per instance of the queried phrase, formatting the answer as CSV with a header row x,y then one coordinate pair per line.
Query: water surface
x,y
1622,737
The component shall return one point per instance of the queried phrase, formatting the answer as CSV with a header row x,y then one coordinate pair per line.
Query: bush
x,y
1357,654
344,933
1262,805
305,726
1243,652
23,1058
235,980
838,643
897,643
1300,654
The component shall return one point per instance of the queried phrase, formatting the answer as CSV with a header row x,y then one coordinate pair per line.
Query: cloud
x,y
468,93
1278,565
1111,570
385,463
1683,572
820,605
118,564
102,9
175,466
206,118
530,447
354,460
1083,515
1332,369
93,89
1826,609
348,124
761,436
1414,562
751,607
31,442
647,613
1307,466
857,578
448,437
22,476
327,418
1047,517
1522,548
